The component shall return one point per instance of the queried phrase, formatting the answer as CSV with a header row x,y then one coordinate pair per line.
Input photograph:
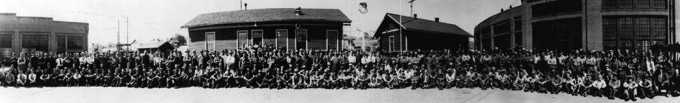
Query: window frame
x,y
336,38
209,40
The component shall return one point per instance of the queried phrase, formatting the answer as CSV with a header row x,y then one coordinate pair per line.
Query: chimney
x,y
245,6
502,10
415,16
298,11
436,19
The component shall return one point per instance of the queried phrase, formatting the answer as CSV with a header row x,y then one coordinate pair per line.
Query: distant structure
x,y
27,34
287,28
580,24
404,33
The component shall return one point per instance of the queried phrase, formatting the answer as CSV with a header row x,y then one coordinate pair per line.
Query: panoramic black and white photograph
x,y
339,51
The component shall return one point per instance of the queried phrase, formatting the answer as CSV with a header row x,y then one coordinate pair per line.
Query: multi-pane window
x,y
658,28
282,38
39,42
5,40
75,42
625,4
257,37
61,43
633,4
242,38
626,28
332,40
301,38
633,32
642,28
609,4
659,4
210,40
641,3
609,33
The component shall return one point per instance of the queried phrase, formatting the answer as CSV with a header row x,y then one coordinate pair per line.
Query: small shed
x,y
163,46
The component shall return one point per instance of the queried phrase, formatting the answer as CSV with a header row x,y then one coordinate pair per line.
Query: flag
x,y
411,1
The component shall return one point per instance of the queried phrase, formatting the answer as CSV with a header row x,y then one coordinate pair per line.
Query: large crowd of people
x,y
612,74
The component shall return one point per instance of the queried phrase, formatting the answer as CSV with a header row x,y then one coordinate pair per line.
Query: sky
x,y
150,19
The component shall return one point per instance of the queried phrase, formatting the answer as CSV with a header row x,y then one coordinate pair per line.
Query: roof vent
x,y
415,16
436,19
298,11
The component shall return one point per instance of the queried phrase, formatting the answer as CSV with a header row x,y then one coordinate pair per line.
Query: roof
x,y
149,45
502,16
410,23
267,15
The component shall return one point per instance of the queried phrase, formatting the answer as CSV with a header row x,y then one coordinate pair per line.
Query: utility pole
x,y
118,37
127,33
363,11
411,2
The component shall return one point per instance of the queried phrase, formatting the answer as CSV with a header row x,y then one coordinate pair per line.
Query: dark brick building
x,y
404,33
27,34
580,24
287,28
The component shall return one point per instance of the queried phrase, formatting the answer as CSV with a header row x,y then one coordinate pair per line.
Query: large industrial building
x,y
27,34
286,28
580,24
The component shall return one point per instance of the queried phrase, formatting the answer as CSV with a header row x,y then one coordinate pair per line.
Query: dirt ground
x,y
243,95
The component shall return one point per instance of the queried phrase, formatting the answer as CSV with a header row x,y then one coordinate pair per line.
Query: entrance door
x,y
301,39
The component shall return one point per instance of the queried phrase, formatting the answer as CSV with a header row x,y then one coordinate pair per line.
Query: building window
x,y
564,34
658,28
641,3
282,38
37,42
391,43
633,4
242,38
301,38
609,4
6,40
633,32
625,4
257,38
61,43
75,42
332,39
659,4
210,40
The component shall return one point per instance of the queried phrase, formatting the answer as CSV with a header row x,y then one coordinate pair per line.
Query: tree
x,y
178,40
